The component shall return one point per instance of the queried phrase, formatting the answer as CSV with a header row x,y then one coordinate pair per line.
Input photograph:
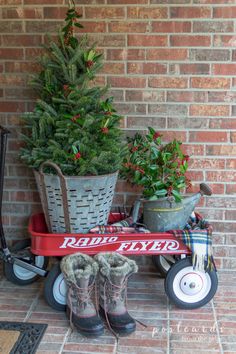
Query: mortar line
x,y
69,331
217,327
168,327
32,306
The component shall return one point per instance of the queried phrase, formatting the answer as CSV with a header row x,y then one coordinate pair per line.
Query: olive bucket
x,y
74,204
165,214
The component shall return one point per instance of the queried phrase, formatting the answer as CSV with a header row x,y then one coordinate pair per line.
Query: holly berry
x,y
105,130
77,156
74,119
65,87
156,135
89,64
108,113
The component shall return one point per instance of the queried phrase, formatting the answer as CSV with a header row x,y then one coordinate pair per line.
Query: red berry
x,y
89,63
105,130
156,135
65,87
77,156
74,119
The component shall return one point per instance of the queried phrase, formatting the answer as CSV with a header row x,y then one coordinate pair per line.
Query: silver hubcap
x,y
25,274
191,286
60,290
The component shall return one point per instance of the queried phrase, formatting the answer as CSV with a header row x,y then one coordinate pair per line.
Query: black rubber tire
x,y
49,283
157,261
170,291
9,268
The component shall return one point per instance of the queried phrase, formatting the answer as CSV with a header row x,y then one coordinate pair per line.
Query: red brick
x,y
230,215
171,26
193,149
221,150
197,69
168,82
209,110
210,82
231,188
224,41
11,26
19,40
213,26
170,135
206,164
207,136
92,27
233,137
147,40
231,164
190,12
195,175
12,107
10,53
171,54
146,68
224,69
124,54
11,80
221,96
188,96
190,41
20,67
127,82
222,123
54,12
224,12
127,26
20,13
105,40
221,176
104,12
146,12
113,68
32,53
127,2
43,2
42,27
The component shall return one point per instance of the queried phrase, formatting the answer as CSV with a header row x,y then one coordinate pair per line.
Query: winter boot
x,y
80,271
114,270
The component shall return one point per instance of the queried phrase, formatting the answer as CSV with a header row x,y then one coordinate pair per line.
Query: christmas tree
x,y
72,124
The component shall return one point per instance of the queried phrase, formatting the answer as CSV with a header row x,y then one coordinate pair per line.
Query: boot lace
x,y
116,292
83,298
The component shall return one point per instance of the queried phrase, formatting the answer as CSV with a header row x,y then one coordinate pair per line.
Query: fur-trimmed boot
x,y
114,270
80,272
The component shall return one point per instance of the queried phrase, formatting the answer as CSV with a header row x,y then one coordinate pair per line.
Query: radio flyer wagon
x,y
186,287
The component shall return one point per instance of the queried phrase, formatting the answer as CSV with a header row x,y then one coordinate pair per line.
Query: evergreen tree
x,y
72,124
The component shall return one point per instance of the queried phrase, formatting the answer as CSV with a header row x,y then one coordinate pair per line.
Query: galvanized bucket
x,y
165,214
74,204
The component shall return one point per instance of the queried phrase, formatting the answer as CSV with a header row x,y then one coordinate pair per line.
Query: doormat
x,y
20,337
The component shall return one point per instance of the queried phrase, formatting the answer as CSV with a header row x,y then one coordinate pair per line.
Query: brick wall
x,y
171,65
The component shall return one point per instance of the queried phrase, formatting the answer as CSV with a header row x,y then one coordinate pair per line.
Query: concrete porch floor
x,y
211,329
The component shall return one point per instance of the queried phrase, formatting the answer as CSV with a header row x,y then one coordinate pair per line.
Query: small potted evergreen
x,y
160,169
73,139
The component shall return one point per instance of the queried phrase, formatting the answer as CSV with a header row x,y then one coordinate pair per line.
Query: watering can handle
x,y
205,189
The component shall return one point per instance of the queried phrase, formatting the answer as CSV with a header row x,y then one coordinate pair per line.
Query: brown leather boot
x,y
80,272
114,270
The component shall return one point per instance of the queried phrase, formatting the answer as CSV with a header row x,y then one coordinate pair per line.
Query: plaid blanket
x,y
197,235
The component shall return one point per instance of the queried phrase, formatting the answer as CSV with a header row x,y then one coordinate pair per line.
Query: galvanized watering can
x,y
165,214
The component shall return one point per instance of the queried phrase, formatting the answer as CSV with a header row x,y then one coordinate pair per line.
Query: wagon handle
x,y
63,190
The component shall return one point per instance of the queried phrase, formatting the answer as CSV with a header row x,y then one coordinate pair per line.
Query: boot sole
x,y
89,334
118,330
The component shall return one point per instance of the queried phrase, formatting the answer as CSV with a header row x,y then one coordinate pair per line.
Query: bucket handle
x,y
63,190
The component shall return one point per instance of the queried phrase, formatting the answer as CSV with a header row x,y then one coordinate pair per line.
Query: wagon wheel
x,y
55,289
163,263
188,288
19,275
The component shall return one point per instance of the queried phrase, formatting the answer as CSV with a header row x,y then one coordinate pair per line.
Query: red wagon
x,y
186,287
